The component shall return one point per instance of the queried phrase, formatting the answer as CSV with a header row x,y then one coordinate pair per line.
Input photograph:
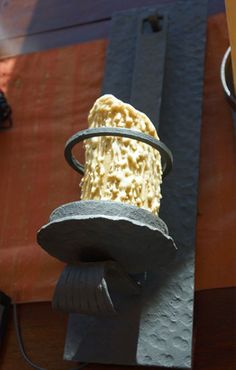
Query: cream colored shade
x,y
121,169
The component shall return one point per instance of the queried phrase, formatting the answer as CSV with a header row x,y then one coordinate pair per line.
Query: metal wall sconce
x,y
111,240
132,288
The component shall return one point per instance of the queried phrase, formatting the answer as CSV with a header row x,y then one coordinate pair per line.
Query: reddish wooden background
x,y
48,107
51,93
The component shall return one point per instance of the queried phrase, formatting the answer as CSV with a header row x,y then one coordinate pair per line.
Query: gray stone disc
x,y
100,230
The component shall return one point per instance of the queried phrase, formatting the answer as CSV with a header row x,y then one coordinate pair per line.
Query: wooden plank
x,y
44,330
215,254
54,39
51,94
231,20
27,17
215,329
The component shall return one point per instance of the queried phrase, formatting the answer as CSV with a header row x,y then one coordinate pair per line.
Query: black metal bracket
x,y
92,288
155,74
91,230
166,155
151,66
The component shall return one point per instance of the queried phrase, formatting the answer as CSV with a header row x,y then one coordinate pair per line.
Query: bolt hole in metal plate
x,y
89,231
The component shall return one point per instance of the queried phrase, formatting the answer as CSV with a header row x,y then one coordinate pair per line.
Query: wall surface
x,y
50,102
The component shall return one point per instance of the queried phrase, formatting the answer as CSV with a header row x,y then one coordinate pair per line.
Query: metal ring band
x,y
166,155
227,79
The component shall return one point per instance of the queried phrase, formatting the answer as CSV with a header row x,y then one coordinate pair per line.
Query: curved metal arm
x,y
166,155
91,288
227,78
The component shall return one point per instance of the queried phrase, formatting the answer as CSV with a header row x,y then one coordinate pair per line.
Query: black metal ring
x,y
166,155
227,78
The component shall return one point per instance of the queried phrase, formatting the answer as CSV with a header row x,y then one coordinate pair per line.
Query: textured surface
x,y
180,122
214,328
163,315
35,16
150,51
93,288
216,233
44,329
48,106
28,26
116,168
90,230
45,119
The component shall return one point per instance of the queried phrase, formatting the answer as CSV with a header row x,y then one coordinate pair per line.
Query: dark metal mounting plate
x,y
155,329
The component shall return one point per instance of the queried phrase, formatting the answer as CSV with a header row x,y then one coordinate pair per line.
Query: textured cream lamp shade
x,y
121,169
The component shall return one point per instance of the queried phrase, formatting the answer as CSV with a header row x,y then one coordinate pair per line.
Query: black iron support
x,y
155,328
91,288
166,155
